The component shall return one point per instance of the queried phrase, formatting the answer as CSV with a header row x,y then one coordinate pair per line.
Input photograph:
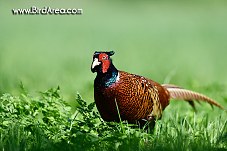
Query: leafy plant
x,y
47,122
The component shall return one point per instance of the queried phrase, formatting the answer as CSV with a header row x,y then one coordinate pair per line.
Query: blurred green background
x,y
180,42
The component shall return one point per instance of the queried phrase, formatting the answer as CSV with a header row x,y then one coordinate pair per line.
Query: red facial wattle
x,y
104,58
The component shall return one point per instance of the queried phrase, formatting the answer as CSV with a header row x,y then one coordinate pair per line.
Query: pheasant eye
x,y
104,57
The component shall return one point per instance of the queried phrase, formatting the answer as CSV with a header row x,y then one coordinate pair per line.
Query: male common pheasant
x,y
136,98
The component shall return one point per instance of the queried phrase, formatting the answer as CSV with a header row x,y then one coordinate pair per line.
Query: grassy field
x,y
46,123
177,42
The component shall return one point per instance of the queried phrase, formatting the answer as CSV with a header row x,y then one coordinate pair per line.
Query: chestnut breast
x,y
134,96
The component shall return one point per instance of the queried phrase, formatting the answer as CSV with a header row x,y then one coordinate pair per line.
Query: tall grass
x,y
48,123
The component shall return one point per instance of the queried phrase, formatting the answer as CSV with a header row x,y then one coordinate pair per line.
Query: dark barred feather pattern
x,y
138,99
179,93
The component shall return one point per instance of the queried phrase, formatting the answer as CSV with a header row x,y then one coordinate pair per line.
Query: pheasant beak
x,y
95,63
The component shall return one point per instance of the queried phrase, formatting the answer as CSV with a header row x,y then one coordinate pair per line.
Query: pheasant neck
x,y
108,78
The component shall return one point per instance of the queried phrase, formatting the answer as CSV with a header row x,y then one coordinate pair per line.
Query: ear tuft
x,y
111,53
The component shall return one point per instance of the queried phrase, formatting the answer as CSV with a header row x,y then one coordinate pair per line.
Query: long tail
x,y
179,93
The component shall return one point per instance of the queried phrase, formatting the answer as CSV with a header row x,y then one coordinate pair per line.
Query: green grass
x,y
48,123
180,42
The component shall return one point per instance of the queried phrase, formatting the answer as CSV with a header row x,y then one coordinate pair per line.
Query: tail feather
x,y
192,103
179,93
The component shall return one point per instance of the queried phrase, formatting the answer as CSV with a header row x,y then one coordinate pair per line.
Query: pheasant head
x,y
101,62
106,72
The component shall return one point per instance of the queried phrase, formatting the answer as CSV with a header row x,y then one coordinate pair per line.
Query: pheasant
x,y
123,96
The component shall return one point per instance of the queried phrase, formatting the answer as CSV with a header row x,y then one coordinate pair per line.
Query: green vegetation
x,y
46,123
177,42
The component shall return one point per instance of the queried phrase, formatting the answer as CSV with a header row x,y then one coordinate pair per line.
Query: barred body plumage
x,y
137,98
